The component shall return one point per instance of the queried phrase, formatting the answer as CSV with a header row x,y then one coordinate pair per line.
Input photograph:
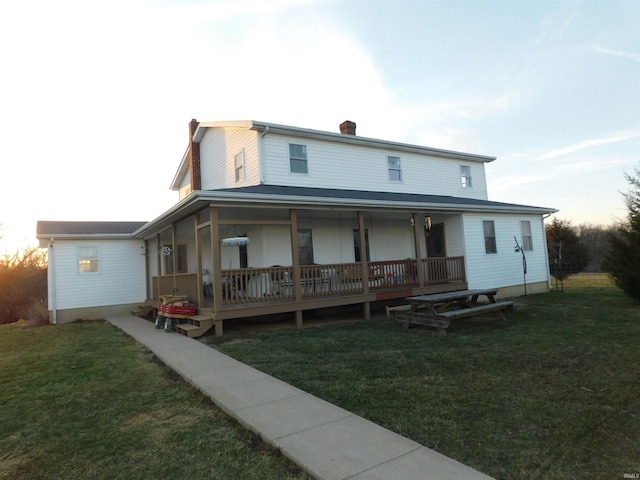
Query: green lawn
x,y
553,394
83,401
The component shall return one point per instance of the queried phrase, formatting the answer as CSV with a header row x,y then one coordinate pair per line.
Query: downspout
x,y
546,251
260,155
52,283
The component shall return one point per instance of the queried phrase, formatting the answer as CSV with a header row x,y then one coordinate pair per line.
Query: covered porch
x,y
297,258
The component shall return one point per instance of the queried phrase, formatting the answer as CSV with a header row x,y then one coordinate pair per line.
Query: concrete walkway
x,y
327,441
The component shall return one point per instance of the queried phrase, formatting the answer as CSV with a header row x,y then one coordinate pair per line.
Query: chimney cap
x,y
348,127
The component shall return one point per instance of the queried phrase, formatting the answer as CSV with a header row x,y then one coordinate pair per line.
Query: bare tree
x,y
23,285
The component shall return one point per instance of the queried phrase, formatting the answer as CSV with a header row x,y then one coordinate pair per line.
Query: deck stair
x,y
196,325
147,312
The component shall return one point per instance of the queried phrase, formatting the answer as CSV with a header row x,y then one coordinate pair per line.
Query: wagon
x,y
173,309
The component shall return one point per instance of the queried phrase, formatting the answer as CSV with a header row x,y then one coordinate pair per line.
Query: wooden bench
x,y
442,320
497,308
418,318
397,308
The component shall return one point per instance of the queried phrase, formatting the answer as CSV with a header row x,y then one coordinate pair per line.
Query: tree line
x,y
23,285
587,248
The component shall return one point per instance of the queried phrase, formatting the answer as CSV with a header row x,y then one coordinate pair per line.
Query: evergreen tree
x,y
567,255
623,259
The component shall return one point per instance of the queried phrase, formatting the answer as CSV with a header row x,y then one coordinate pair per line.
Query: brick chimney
x,y
348,127
194,158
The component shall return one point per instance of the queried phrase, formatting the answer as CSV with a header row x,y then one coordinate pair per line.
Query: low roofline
x,y
200,199
46,229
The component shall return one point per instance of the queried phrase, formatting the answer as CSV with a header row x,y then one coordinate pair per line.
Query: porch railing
x,y
252,285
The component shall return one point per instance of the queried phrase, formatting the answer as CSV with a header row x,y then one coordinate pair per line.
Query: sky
x,y
96,96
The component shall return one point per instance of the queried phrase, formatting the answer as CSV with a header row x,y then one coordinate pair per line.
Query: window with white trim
x,y
298,158
465,176
239,166
489,236
395,169
527,241
88,260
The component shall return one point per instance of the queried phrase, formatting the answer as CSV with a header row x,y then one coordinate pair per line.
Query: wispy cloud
x,y
499,185
619,53
612,138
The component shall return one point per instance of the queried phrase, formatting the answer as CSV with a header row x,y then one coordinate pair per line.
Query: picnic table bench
x,y
436,312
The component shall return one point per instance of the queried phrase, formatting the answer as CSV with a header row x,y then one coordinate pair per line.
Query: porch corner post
x,y
364,261
174,252
418,250
216,268
159,259
295,262
147,269
199,261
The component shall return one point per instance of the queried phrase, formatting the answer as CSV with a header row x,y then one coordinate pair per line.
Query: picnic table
x,y
438,309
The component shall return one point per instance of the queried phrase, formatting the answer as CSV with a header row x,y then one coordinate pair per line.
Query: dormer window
x,y
298,158
395,170
465,176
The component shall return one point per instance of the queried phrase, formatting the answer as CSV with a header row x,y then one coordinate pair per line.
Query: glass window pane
x,y
298,166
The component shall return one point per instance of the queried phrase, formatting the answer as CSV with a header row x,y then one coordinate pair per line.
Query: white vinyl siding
x,y
504,268
218,149
185,186
353,167
121,278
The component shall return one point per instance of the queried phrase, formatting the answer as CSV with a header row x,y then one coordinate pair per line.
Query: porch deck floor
x,y
325,440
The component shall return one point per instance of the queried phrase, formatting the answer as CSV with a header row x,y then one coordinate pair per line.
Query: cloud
x,y
619,53
498,185
612,138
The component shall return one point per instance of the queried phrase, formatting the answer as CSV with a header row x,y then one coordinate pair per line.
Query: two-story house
x,y
275,219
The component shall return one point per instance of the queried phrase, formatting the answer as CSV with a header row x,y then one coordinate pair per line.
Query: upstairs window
x,y
465,176
395,171
298,158
88,261
527,242
239,166
489,237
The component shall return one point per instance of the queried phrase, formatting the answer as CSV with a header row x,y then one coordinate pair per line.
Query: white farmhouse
x,y
275,219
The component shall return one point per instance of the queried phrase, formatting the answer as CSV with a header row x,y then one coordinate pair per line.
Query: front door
x,y
435,240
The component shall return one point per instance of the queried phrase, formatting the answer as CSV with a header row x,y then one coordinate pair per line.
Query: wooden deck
x,y
250,292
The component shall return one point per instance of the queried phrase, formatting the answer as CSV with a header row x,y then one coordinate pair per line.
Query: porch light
x,y
427,223
235,241
412,222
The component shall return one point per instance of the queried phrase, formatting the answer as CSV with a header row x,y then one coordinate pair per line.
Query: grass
x,y
84,401
553,394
